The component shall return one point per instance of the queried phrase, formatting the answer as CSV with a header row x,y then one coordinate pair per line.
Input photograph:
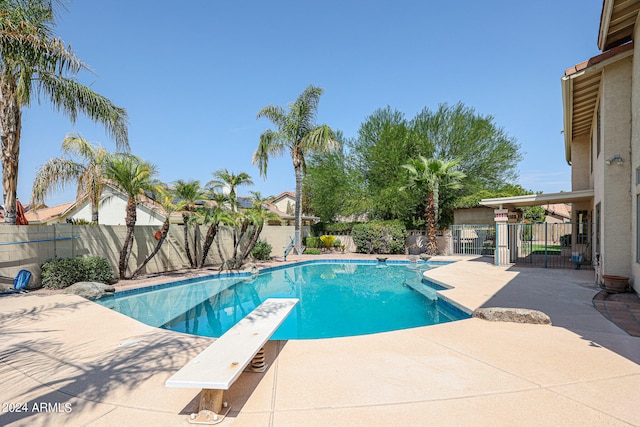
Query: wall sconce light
x,y
616,158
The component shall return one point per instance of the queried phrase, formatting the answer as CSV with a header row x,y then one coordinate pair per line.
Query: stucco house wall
x,y
635,157
612,181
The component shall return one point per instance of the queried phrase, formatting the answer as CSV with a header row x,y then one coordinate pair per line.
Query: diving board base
x,y
207,417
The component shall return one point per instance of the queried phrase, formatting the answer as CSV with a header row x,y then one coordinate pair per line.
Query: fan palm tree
x,y
34,62
189,195
296,132
231,181
135,178
89,172
431,175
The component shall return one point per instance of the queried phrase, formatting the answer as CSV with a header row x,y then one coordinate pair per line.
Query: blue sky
x,y
192,75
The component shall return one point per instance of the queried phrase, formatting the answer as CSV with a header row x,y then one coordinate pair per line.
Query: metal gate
x,y
473,239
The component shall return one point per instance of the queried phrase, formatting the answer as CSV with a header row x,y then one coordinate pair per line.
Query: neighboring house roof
x,y
561,210
283,195
45,214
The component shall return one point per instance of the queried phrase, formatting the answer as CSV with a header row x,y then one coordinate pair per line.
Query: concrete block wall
x,y
28,247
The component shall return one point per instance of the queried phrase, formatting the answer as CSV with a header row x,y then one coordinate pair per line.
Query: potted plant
x,y
615,284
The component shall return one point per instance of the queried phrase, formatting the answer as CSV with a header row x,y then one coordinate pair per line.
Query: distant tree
x,y
433,175
88,172
34,62
222,178
296,132
135,178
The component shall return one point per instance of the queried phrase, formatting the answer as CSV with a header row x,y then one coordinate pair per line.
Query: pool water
x,y
336,300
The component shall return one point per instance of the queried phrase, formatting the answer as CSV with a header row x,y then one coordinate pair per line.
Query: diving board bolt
x,y
258,363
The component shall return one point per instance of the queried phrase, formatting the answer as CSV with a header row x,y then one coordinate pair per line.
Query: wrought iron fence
x,y
473,239
548,245
551,245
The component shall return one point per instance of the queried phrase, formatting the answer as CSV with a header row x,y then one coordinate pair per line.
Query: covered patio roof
x,y
538,199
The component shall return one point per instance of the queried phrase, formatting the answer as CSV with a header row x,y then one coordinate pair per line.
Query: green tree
x,y
296,132
387,140
88,171
432,175
135,178
34,62
189,195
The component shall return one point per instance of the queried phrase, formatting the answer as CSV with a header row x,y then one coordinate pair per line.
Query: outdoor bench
x,y
220,364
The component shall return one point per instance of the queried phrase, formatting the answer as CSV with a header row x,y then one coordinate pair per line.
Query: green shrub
x,y
262,251
337,243
312,242
312,252
380,237
64,272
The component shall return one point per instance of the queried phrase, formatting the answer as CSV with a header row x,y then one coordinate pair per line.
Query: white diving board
x,y
217,367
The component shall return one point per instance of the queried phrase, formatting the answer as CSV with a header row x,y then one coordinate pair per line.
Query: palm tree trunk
x,y
298,216
10,128
130,221
432,225
185,220
163,236
253,241
208,241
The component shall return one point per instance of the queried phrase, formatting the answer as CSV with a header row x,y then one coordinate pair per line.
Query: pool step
x,y
418,286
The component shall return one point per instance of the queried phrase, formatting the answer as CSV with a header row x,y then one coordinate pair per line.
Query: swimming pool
x,y
336,299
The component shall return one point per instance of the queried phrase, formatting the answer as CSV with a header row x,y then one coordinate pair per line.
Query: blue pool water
x,y
336,299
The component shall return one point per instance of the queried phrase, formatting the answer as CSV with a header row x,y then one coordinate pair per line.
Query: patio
x,y
82,364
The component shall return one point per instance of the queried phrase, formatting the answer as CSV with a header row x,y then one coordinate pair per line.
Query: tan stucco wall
x,y
106,241
580,166
473,216
611,182
635,156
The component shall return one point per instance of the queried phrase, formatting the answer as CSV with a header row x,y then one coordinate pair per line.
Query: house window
x,y
598,133
598,228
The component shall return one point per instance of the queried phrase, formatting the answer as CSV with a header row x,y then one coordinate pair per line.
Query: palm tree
x,y
89,173
33,61
431,175
189,195
168,208
135,178
231,181
297,133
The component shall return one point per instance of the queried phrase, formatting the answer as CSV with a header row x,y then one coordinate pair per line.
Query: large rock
x,y
90,290
517,315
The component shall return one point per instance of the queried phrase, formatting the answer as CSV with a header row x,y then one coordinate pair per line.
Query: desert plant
x,y
63,272
328,240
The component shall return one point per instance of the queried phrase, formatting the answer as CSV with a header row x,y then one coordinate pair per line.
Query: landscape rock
x,y
517,315
90,290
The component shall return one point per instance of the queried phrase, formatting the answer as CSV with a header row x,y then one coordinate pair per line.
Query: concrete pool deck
x,y
75,363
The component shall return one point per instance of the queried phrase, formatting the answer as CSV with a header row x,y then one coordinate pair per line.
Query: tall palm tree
x,y
296,132
89,172
135,178
189,194
34,62
431,175
222,178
